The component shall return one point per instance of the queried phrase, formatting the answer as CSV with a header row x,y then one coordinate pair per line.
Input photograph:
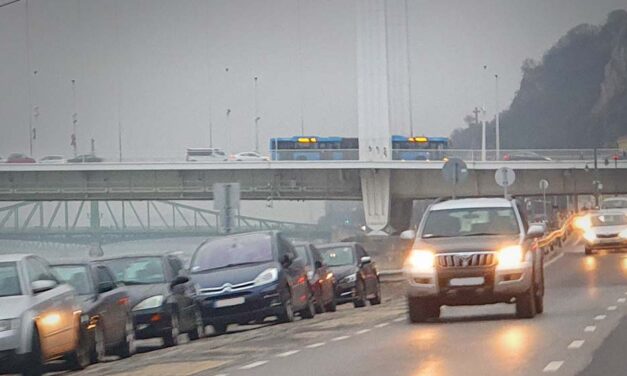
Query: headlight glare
x,y
582,222
510,256
623,234
152,302
267,276
589,235
420,260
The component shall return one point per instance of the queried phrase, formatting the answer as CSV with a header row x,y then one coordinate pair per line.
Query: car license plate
x,y
473,281
229,302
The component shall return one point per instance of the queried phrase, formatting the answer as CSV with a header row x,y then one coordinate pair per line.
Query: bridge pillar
x,y
94,216
375,191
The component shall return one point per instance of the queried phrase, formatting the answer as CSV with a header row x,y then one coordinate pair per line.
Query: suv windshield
x,y
338,256
76,276
233,251
9,281
137,271
609,220
470,222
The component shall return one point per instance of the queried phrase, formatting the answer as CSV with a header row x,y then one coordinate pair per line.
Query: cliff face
x,y
576,97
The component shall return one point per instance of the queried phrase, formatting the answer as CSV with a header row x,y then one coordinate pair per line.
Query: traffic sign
x,y
505,177
544,184
455,171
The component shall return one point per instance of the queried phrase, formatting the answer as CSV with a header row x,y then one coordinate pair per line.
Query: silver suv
x,y
472,252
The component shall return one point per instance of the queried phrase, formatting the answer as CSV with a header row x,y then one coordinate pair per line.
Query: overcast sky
x,y
160,67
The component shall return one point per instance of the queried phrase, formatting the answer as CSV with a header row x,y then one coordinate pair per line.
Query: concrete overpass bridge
x,y
386,187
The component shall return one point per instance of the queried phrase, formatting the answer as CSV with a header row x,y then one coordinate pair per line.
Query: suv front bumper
x,y
469,286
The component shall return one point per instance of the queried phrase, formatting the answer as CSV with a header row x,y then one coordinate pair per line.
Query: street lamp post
x,y
497,124
257,118
483,121
74,119
228,131
257,134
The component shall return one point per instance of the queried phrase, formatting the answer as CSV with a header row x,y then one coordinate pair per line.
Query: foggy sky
x,y
160,67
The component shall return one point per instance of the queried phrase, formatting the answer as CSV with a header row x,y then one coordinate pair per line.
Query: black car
x,y
356,273
161,297
248,277
85,158
321,278
106,321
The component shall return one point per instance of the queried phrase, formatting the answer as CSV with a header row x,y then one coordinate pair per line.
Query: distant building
x,y
622,143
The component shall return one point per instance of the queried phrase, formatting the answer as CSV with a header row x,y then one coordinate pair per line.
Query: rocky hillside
x,y
576,97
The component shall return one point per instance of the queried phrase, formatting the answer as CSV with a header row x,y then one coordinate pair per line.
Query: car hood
x,y
467,244
137,293
234,275
343,270
608,230
13,306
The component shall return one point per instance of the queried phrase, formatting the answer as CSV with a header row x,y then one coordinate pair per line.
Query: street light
x,y
483,120
257,134
498,115
257,118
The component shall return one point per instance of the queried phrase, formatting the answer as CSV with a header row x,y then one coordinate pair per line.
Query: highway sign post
x,y
505,177
226,198
544,184
455,172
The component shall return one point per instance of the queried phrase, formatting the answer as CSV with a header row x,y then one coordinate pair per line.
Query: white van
x,y
205,155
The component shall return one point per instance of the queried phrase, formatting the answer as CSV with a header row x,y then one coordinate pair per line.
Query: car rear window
x,y
9,280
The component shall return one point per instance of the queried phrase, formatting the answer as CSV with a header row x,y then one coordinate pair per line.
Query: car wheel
x,y
360,294
33,363
526,304
171,338
199,327
97,346
539,298
80,358
309,311
377,298
128,347
588,251
332,305
287,310
419,309
219,329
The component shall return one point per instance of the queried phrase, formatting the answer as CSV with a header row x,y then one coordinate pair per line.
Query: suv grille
x,y
466,260
607,236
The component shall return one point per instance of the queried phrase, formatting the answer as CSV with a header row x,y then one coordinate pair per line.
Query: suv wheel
x,y
309,311
377,297
526,304
421,310
33,363
539,298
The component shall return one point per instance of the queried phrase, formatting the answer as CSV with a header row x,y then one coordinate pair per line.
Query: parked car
x,y
160,297
106,319
205,155
85,158
39,317
249,277
607,230
53,159
248,156
472,252
321,278
525,156
355,271
19,158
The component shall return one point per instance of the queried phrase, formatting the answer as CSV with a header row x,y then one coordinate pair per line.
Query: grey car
x,y
39,317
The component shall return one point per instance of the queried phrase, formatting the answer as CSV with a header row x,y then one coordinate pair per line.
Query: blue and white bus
x,y
315,148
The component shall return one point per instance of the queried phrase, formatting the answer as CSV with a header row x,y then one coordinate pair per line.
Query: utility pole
x,y
476,112
257,118
74,119
483,122
497,125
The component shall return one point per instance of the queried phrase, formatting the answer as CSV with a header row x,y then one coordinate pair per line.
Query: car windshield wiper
x,y
433,236
230,266
134,283
482,234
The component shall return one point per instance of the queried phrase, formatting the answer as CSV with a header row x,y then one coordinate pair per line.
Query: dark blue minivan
x,y
248,277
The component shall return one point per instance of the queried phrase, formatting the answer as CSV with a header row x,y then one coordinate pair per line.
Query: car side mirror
x,y
408,235
535,231
106,287
180,280
318,265
42,286
366,260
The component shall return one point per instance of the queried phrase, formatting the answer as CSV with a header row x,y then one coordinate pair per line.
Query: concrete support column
x,y
94,216
375,190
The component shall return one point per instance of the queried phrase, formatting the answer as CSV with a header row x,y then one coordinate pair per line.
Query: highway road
x,y
581,332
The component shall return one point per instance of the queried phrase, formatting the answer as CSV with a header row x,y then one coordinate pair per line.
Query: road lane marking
x,y
400,319
340,338
612,308
576,344
362,331
621,300
382,325
313,346
590,329
254,365
546,264
600,317
553,366
287,353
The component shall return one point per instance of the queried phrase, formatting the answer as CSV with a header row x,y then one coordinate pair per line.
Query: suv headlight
x,y
623,234
590,236
420,260
152,302
510,257
349,278
267,276
5,325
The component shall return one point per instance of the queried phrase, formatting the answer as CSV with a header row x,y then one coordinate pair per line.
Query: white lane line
x,y
612,308
382,325
340,338
254,365
222,374
313,346
400,319
553,366
590,329
546,264
600,317
576,344
287,353
621,300
363,331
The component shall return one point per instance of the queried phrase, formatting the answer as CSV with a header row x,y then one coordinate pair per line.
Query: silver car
x,y
39,317
607,229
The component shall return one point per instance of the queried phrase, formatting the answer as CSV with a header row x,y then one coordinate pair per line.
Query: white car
x,y
615,203
248,156
53,159
205,155
607,229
